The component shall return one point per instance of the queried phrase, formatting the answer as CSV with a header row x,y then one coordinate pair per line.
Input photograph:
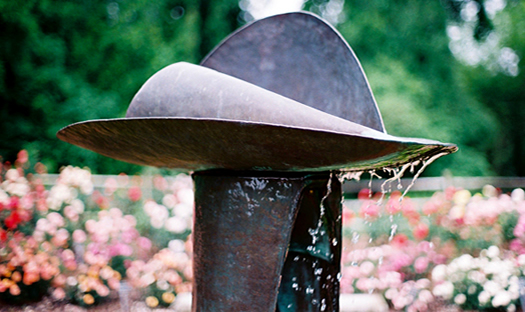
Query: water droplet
x,y
295,286
334,241
323,305
309,290
393,230
355,237
426,162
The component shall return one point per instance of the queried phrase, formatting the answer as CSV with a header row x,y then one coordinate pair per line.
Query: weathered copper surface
x,y
195,118
302,57
191,117
243,146
243,232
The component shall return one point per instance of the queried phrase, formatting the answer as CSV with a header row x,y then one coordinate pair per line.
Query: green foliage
x,y
416,82
68,61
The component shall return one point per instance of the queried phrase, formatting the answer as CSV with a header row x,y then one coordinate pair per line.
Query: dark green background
x,y
68,61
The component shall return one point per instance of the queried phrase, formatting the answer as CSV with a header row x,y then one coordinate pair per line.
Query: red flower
x,y
3,235
14,202
421,231
364,194
400,240
13,220
134,193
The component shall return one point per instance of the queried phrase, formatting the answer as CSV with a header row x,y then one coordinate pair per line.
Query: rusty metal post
x,y
266,242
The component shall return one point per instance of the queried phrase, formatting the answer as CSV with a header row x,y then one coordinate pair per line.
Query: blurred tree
x,y
494,73
68,61
403,47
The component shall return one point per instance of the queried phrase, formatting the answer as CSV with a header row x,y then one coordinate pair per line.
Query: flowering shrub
x,y
490,281
163,277
72,242
415,255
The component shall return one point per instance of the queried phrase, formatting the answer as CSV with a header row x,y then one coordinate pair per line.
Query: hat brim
x,y
201,144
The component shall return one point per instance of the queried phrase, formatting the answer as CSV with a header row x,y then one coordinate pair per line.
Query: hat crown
x,y
300,56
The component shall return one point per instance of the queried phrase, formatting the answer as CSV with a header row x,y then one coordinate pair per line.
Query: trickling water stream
x,y
389,184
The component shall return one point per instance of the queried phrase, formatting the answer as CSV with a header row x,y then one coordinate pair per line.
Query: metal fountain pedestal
x,y
264,123
249,256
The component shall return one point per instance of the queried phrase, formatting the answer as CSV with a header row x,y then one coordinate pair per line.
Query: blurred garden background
x,y
448,70
81,228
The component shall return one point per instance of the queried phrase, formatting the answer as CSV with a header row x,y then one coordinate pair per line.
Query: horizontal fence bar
x,y
434,184
422,184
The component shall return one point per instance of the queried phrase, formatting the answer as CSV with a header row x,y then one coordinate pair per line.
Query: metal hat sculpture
x,y
285,93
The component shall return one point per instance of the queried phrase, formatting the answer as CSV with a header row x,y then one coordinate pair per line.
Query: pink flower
x,y
60,238
519,229
79,236
366,268
421,264
114,283
110,186
421,231
56,219
120,249
369,209
71,213
144,243
59,293
134,193
67,255
102,290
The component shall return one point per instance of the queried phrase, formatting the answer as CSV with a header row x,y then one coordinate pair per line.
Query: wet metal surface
x,y
243,232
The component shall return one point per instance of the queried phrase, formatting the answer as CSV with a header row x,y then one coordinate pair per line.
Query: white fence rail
x,y
431,184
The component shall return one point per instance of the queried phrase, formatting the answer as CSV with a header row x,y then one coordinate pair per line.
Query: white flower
x,y
169,200
477,277
501,299
176,245
157,222
518,195
445,290
460,299
521,260
71,281
492,288
439,273
425,296
493,252
484,297
4,198
12,175
183,210
185,196
465,262
375,253
176,225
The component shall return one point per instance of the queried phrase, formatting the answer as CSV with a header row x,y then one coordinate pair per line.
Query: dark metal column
x,y
242,231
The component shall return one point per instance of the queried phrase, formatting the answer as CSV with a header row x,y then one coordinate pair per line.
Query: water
x,y
391,183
